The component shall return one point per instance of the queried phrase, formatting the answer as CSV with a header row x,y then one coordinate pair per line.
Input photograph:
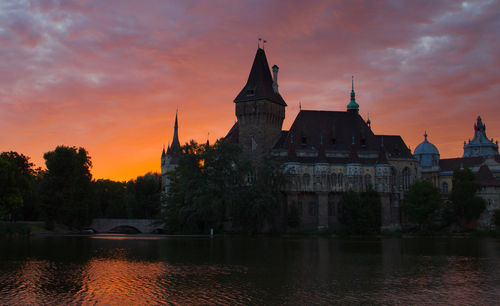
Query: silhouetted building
x,y
327,152
170,158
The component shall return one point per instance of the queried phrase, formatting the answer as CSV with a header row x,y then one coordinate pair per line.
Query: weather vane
x,y
263,42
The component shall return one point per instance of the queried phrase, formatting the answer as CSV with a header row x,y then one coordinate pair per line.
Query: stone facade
x,y
260,125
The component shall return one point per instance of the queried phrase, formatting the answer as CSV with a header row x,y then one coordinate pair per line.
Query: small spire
x,y
369,122
263,43
425,135
300,106
258,42
353,106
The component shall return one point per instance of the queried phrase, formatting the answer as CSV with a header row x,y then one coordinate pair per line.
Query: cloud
x,y
109,75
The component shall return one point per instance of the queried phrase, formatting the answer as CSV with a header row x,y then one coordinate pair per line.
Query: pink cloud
x,y
109,75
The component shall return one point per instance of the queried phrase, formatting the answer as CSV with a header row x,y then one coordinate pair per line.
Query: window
x,y
250,177
445,188
406,178
304,140
313,209
331,209
368,181
307,179
340,179
334,179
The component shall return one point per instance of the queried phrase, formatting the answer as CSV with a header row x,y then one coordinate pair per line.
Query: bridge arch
x,y
104,225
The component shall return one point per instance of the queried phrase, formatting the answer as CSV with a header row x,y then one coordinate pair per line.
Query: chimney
x,y
275,78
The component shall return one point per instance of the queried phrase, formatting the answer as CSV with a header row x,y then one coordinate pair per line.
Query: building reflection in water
x,y
243,270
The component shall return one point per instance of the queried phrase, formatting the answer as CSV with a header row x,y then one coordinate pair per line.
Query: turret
x,y
353,106
260,109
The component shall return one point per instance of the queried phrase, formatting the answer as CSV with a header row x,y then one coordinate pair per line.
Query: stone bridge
x,y
103,225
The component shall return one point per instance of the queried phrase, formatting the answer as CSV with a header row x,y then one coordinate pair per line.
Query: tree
x,y
110,197
421,203
27,180
67,193
467,206
259,203
144,196
360,212
204,185
11,198
214,184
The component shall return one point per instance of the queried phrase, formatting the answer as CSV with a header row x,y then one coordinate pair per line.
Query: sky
x,y
109,75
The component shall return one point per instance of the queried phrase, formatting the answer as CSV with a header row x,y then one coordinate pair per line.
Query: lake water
x,y
126,270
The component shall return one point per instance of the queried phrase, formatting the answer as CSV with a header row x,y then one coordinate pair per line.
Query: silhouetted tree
x,y
421,203
143,197
24,179
214,184
360,212
467,206
110,197
67,193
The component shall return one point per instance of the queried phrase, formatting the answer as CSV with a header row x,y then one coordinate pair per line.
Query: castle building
x,y
170,158
480,156
327,152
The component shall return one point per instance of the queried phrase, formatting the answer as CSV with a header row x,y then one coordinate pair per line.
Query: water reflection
x,y
118,269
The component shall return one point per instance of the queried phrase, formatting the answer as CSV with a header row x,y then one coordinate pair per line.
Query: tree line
x,y
214,186
66,193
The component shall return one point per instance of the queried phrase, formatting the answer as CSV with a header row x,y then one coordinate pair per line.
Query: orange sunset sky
x,y
109,75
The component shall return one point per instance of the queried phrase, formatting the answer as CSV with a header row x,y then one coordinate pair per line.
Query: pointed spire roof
x,y
163,152
260,82
175,147
353,106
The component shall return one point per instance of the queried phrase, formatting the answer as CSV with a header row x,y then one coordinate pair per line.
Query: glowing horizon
x,y
108,76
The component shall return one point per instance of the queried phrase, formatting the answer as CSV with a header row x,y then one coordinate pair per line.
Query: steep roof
x,y
174,150
260,82
339,131
233,136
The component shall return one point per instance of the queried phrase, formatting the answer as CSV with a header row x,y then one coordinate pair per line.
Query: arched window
x,y
250,177
445,188
406,178
394,177
307,179
368,181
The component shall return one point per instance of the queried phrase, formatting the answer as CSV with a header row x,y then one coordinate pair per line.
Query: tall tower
x,y
260,109
170,159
